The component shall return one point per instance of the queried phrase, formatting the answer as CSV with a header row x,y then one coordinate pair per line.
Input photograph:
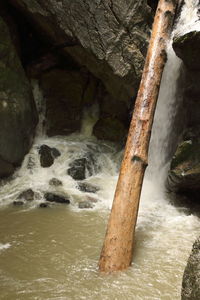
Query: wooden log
x,y
118,244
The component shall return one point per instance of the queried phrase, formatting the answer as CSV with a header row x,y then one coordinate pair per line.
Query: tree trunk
x,y
118,245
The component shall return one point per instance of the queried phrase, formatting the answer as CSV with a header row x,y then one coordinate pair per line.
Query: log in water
x,y
52,253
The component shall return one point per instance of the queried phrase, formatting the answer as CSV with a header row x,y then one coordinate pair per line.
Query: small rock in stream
x,y
85,204
27,195
43,205
56,198
47,155
55,182
18,203
87,188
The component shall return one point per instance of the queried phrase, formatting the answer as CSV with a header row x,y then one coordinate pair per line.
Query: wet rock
x,y
55,182
184,174
110,129
110,38
191,277
30,163
18,203
16,105
88,188
47,155
85,204
55,152
56,198
187,47
27,195
6,168
82,167
43,205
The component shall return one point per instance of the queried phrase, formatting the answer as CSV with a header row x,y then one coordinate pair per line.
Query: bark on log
x,y
118,244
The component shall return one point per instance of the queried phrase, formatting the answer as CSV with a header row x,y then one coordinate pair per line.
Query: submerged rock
x,y
47,155
18,203
191,277
18,115
56,198
85,204
88,188
27,195
55,182
43,205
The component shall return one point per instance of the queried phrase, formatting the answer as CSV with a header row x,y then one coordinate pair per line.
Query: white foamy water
x,y
62,245
4,246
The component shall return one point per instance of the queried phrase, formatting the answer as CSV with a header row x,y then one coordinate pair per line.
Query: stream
x,y
52,253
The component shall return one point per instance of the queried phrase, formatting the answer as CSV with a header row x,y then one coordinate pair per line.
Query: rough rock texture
x,y
191,277
18,116
187,47
184,175
109,37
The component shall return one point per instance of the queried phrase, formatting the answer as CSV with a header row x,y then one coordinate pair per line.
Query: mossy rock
x,y
110,129
187,47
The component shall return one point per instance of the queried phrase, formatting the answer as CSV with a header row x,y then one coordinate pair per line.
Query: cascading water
x,y
52,253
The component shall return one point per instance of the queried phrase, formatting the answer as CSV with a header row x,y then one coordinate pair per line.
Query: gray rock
x,y
27,195
55,182
85,204
110,38
18,116
88,188
56,198
191,277
82,167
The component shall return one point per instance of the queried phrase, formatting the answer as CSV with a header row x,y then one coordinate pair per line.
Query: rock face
x,y
187,47
18,117
184,175
191,277
109,38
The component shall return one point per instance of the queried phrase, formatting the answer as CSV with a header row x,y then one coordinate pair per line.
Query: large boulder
x,y
184,174
18,116
187,47
109,38
191,277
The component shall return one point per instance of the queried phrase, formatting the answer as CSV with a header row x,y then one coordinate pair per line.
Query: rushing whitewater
x,y
62,244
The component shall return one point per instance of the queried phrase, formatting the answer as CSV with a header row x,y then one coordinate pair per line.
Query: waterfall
x,y
62,244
